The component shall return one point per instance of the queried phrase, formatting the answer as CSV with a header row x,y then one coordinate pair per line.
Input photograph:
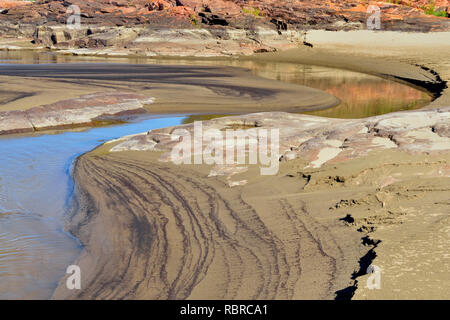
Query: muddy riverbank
x,y
349,193
301,234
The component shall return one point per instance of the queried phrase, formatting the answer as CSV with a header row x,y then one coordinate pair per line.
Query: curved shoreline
x,y
170,214
361,184
177,90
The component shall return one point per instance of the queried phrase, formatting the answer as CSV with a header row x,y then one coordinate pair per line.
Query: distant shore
x,y
415,59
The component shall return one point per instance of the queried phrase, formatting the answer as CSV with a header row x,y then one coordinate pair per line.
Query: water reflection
x,y
361,95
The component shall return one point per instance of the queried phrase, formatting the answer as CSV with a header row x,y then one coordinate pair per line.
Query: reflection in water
x,y
361,95
34,188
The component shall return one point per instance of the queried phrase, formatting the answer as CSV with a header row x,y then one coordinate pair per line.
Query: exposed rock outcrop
x,y
86,110
118,24
319,140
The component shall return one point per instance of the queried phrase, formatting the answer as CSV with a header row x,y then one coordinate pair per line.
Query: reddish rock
x,y
181,11
217,7
109,9
221,7
309,14
158,5
13,4
274,14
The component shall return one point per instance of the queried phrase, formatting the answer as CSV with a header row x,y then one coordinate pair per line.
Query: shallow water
x,y
35,185
362,95
35,182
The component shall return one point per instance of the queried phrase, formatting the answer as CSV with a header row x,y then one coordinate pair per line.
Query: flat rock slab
x,y
14,122
84,110
318,140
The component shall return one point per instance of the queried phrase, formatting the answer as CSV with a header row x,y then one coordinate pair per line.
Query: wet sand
x,y
176,89
161,231
180,235
304,233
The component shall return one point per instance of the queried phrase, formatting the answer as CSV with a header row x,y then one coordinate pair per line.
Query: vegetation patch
x,y
253,11
431,10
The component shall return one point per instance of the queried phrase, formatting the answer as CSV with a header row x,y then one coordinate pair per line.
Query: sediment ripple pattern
x,y
155,231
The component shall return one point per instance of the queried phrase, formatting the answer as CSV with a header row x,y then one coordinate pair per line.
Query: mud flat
x,y
349,193
420,59
154,230
112,91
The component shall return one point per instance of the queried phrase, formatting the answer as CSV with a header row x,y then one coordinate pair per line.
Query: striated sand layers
x,y
348,193
176,88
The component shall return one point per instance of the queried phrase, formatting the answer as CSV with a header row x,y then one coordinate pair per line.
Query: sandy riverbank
x,y
192,89
306,232
286,236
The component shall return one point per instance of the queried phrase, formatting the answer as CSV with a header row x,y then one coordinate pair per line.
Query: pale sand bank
x,y
237,235
282,236
304,233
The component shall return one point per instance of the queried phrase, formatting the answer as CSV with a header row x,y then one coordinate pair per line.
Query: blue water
x,y
35,186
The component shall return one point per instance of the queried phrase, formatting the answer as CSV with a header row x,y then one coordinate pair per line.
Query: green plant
x,y
253,11
194,20
431,10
